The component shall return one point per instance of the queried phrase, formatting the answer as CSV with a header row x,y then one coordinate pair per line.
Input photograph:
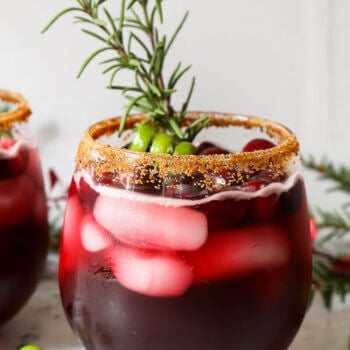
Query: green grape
x,y
29,347
185,148
142,139
162,143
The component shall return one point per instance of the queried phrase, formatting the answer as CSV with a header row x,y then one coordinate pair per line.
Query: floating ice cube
x,y
150,273
16,195
143,223
93,236
240,251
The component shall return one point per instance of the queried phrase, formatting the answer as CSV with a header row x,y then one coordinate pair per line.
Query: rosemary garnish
x,y
331,267
132,42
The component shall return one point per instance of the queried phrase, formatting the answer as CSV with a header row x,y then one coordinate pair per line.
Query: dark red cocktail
x,y
23,214
203,252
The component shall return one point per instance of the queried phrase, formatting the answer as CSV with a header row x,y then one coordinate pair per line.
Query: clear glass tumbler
x,y
195,252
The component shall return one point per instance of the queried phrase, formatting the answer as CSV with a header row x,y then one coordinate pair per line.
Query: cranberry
x,y
214,150
262,208
146,183
187,187
203,146
208,148
313,229
268,176
342,265
224,214
6,143
222,180
260,179
257,144
252,186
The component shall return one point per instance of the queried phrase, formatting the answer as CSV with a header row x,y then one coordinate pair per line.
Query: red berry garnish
x,y
268,176
204,145
257,145
208,148
313,229
262,208
225,214
252,186
213,150
184,186
342,265
7,143
146,183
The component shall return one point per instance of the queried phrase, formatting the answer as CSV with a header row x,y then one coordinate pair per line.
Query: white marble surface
x,y
42,322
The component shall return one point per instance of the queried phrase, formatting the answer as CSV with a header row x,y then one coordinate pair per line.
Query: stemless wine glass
x,y
196,252
23,213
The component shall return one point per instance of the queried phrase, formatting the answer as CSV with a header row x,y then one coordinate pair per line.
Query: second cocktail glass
x,y
23,212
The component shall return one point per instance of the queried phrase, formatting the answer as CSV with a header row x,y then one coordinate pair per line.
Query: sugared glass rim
x,y
101,158
21,111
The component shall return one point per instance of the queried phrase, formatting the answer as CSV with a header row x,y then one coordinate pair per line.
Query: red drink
x,y
178,264
23,214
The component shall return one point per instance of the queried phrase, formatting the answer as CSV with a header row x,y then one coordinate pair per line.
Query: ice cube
x,y
240,251
93,236
150,273
16,196
151,224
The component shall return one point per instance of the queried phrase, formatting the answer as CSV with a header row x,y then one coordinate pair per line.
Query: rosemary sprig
x,y
327,280
331,268
132,42
336,223
327,171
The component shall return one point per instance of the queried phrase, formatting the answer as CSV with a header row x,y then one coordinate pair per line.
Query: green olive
x,y
142,139
185,148
162,144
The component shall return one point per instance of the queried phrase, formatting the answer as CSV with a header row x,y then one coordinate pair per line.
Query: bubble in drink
x,y
132,222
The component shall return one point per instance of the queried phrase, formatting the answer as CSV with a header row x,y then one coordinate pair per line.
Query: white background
x,y
287,60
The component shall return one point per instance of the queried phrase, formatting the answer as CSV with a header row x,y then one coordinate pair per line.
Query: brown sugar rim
x,y
101,158
20,113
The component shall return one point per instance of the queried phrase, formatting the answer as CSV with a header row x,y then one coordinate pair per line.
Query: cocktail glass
x,y
197,252
23,213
